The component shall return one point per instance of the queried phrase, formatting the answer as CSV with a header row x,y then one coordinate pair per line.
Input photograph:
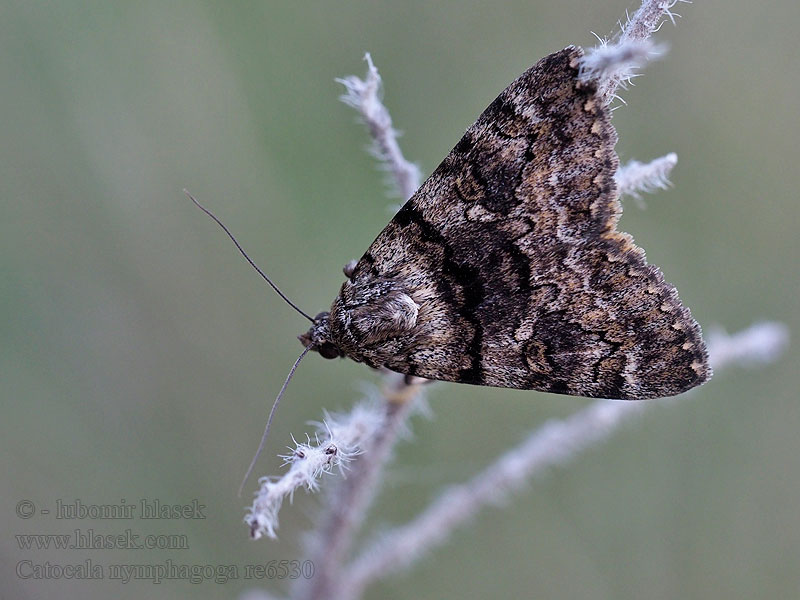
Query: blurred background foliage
x,y
140,353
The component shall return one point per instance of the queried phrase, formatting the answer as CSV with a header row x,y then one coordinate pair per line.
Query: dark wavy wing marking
x,y
511,250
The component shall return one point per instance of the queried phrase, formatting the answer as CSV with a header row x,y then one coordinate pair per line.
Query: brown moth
x,y
506,268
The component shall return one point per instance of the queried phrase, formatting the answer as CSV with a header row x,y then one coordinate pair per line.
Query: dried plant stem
x,y
348,502
365,96
635,31
552,444
635,178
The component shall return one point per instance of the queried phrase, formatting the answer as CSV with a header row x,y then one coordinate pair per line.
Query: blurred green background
x,y
140,353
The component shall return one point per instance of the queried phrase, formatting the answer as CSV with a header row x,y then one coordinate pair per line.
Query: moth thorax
x,y
318,338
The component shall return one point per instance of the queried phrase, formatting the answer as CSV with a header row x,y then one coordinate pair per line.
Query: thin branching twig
x,y
330,544
635,178
632,47
365,96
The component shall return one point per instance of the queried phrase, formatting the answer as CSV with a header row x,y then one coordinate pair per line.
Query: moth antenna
x,y
271,415
252,264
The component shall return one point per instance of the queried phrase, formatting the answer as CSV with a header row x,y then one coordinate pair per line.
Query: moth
x,y
506,267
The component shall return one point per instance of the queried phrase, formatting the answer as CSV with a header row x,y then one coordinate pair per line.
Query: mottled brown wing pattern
x,y
506,268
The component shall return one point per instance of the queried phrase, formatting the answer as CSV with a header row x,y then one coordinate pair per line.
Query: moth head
x,y
318,338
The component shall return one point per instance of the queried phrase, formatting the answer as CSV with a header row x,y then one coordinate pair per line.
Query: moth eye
x,y
328,350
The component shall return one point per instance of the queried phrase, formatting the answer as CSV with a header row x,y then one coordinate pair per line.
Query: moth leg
x,y
349,269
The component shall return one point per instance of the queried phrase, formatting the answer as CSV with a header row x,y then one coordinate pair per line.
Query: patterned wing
x,y
511,254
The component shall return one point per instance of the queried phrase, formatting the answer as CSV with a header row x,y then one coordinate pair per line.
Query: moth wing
x,y
510,250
